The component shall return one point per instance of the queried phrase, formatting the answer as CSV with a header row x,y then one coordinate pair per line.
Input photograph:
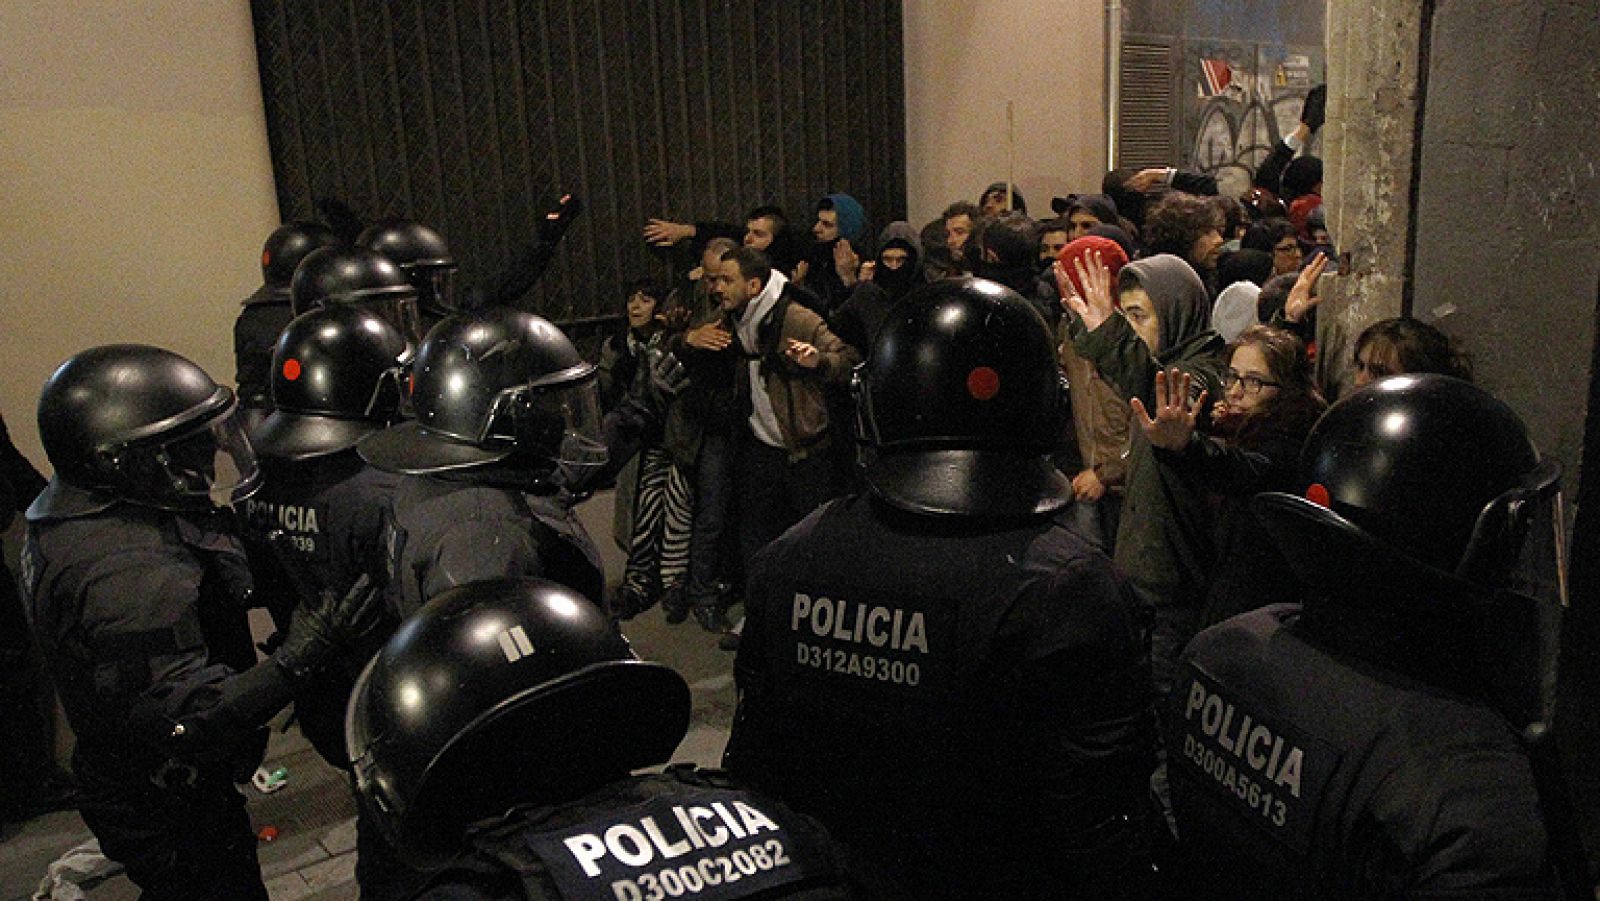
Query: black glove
x,y
1315,112
319,630
659,379
555,223
667,377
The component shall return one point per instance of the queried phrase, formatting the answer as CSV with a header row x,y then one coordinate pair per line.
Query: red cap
x,y
1110,253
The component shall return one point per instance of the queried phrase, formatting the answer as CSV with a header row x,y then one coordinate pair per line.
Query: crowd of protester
x,y
1191,280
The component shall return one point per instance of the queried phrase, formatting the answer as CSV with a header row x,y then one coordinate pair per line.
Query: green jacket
x,y
1165,538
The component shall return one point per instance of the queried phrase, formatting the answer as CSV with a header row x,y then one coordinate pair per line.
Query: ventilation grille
x,y
1146,108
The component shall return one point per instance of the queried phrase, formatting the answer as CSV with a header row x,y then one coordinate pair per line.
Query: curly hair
x,y
1177,221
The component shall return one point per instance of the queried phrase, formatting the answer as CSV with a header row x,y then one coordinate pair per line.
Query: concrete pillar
x,y
1367,164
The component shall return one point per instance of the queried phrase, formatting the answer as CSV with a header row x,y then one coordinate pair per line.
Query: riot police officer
x,y
266,312
137,588
507,413
424,257
1364,744
493,739
338,375
361,277
940,670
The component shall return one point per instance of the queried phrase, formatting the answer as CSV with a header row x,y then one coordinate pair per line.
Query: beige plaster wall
x,y
964,60
135,184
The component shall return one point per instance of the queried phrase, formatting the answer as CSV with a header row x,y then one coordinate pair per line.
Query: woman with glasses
x,y
1268,407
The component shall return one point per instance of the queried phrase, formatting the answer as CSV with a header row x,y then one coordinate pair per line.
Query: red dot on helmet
x,y
291,369
266,257
983,383
1318,494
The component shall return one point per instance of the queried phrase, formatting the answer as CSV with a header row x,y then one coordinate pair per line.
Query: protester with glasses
x,y
1268,407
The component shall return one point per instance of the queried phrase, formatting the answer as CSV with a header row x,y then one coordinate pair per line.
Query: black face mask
x,y
896,282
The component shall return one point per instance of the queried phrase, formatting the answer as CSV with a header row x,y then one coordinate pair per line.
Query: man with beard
x,y
788,358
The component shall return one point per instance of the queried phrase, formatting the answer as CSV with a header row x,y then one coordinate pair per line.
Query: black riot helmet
x,y
338,375
960,404
502,693
492,384
356,276
135,423
288,245
1424,493
422,254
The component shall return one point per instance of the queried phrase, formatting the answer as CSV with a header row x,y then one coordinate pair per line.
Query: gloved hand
x,y
555,223
666,374
318,630
1315,112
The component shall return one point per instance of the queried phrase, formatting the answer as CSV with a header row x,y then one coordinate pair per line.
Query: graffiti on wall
x,y
1239,100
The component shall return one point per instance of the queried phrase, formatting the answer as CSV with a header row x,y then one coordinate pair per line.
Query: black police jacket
x,y
141,618
318,525
442,533
255,333
966,707
683,834
1300,773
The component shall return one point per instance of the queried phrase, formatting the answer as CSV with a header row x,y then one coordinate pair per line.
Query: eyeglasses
x,y
1252,384
1293,247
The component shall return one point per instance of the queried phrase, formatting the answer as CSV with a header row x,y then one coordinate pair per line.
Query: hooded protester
x,y
1164,541
897,270
833,262
1241,275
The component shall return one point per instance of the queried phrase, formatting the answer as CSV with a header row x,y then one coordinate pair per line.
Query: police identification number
x,y
1261,765
716,844
894,644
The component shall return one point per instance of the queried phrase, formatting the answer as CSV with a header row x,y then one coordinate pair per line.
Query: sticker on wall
x,y
1216,80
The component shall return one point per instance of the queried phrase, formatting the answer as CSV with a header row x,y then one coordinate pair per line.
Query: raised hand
x,y
1175,417
1303,297
710,336
1095,305
665,232
846,262
1145,179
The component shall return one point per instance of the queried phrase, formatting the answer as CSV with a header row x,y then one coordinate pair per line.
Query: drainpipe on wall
x,y
1113,31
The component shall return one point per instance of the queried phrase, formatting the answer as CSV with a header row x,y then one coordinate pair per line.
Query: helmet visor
x,y
211,465
560,423
581,448
436,288
400,311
